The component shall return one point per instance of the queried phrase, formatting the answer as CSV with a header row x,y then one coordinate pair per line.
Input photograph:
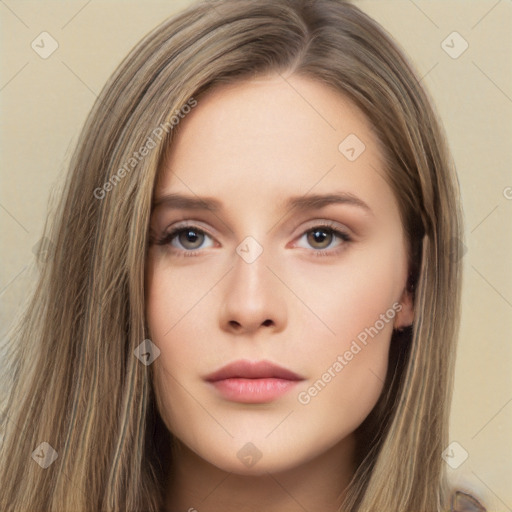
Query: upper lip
x,y
244,369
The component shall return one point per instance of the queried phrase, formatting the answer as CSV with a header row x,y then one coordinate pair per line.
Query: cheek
x,y
169,318
352,296
176,305
174,327
358,301
348,366
345,391
172,295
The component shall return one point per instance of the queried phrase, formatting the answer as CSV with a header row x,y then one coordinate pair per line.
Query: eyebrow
x,y
317,201
180,201
306,202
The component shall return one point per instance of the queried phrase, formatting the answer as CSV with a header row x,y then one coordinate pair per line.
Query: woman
x,y
255,374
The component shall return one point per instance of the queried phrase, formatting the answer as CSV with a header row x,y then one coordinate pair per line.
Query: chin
x,y
249,460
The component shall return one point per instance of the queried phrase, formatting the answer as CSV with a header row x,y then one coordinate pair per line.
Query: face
x,y
273,299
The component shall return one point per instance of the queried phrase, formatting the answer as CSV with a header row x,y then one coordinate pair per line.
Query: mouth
x,y
253,382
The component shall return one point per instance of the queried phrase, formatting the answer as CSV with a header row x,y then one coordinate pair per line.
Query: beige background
x,y
45,101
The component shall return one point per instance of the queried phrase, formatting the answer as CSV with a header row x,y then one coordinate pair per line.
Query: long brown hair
x,y
77,385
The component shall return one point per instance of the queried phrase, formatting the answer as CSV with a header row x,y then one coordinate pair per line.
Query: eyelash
x,y
167,238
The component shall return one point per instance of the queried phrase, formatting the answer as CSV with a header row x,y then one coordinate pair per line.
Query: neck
x,y
317,484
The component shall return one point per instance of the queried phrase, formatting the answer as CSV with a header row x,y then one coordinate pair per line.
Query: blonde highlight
x,y
89,302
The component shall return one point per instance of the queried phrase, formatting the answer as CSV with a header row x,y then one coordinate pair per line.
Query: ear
x,y
405,316
463,502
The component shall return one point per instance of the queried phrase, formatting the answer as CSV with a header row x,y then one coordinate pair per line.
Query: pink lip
x,y
253,382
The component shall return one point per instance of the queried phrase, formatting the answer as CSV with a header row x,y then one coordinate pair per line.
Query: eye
x,y
187,238
323,237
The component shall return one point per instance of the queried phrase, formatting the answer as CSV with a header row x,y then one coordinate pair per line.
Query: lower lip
x,y
253,391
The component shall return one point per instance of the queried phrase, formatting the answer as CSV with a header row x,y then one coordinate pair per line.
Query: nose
x,y
252,298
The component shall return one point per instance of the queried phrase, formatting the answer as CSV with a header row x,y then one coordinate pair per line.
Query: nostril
x,y
237,325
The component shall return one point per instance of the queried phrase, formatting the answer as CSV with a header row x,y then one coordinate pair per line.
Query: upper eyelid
x,y
312,224
335,225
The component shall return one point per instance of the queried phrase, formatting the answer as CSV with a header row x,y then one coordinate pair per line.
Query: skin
x,y
252,145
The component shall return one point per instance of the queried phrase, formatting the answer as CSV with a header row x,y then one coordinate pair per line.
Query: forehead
x,y
273,137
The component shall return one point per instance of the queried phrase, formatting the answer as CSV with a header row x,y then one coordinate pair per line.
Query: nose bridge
x,y
251,295
251,277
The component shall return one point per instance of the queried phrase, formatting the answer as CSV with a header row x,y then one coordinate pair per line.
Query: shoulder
x,y
463,502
